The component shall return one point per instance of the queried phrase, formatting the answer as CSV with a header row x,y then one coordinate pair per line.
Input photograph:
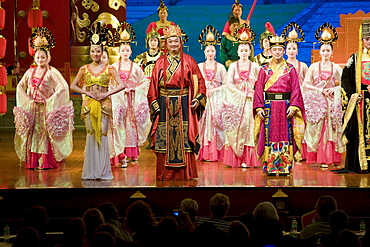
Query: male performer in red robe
x,y
177,90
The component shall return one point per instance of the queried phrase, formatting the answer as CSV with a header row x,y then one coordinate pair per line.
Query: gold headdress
x,y
209,36
237,3
365,28
269,32
124,34
162,6
293,33
244,34
152,35
42,38
175,31
100,35
326,34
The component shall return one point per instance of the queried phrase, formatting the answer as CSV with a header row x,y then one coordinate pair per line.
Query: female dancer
x,y
293,37
214,73
93,80
44,113
276,100
323,103
239,93
133,98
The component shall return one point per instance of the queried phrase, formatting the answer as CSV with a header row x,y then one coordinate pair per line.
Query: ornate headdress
x,y
269,32
175,31
124,34
100,35
365,28
293,33
42,38
237,3
326,34
209,36
152,35
244,34
162,6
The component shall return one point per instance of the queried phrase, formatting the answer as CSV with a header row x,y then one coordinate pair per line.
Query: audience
x,y
346,238
338,221
74,234
27,237
238,234
92,218
191,207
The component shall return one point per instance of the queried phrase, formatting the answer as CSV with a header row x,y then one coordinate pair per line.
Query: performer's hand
x,y
194,104
261,114
102,96
328,91
91,95
289,112
360,98
368,88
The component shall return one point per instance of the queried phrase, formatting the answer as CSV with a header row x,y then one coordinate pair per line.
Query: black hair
x,y
233,20
331,45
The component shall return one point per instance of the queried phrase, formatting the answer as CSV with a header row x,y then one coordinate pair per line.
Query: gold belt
x,y
173,92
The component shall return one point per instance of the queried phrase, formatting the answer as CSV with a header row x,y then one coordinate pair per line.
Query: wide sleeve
x,y
150,27
226,29
153,93
308,83
22,88
201,96
223,51
222,71
348,79
295,93
258,100
231,75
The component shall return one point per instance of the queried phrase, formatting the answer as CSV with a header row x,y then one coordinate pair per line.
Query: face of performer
x,y
163,14
233,27
326,52
277,52
210,52
96,51
244,51
153,43
125,51
173,44
237,11
366,42
105,57
41,58
291,50
265,44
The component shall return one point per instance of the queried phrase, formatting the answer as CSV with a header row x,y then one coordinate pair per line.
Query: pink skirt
x,y
116,159
132,152
210,153
249,157
47,161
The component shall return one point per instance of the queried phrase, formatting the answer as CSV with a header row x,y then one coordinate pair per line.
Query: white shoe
x,y
324,166
124,165
244,165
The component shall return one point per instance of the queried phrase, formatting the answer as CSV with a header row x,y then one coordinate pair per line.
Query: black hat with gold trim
x,y
175,31
99,34
209,36
326,34
162,6
42,38
124,34
293,33
365,28
244,34
237,4
152,35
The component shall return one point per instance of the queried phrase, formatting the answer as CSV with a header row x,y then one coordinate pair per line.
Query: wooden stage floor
x,y
141,174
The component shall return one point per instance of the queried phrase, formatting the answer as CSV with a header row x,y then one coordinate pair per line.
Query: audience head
x,y
92,219
37,218
74,233
238,234
346,238
324,206
106,227
27,237
220,205
100,239
265,210
108,210
168,225
190,206
139,216
339,220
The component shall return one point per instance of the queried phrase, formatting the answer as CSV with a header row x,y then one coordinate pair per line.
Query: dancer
x,y
279,107
93,80
158,26
237,12
323,104
237,116
265,56
214,73
295,34
355,83
146,60
44,112
176,90
105,56
229,47
133,99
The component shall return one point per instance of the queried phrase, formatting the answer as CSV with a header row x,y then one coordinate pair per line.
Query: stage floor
x,y
141,174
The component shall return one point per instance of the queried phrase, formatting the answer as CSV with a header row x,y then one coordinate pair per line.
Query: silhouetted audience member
x,y
270,233
338,221
141,223
74,234
168,232
250,222
106,227
191,207
324,206
346,238
265,210
238,234
102,239
92,218
207,234
27,237
37,217
110,214
220,205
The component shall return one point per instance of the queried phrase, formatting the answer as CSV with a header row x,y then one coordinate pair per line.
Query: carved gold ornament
x,y
115,4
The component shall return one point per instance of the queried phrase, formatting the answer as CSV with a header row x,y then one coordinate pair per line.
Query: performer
x,y
44,112
279,107
237,11
176,90
146,60
134,99
265,56
229,47
355,82
105,56
93,80
214,73
293,37
158,26
238,106
323,104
